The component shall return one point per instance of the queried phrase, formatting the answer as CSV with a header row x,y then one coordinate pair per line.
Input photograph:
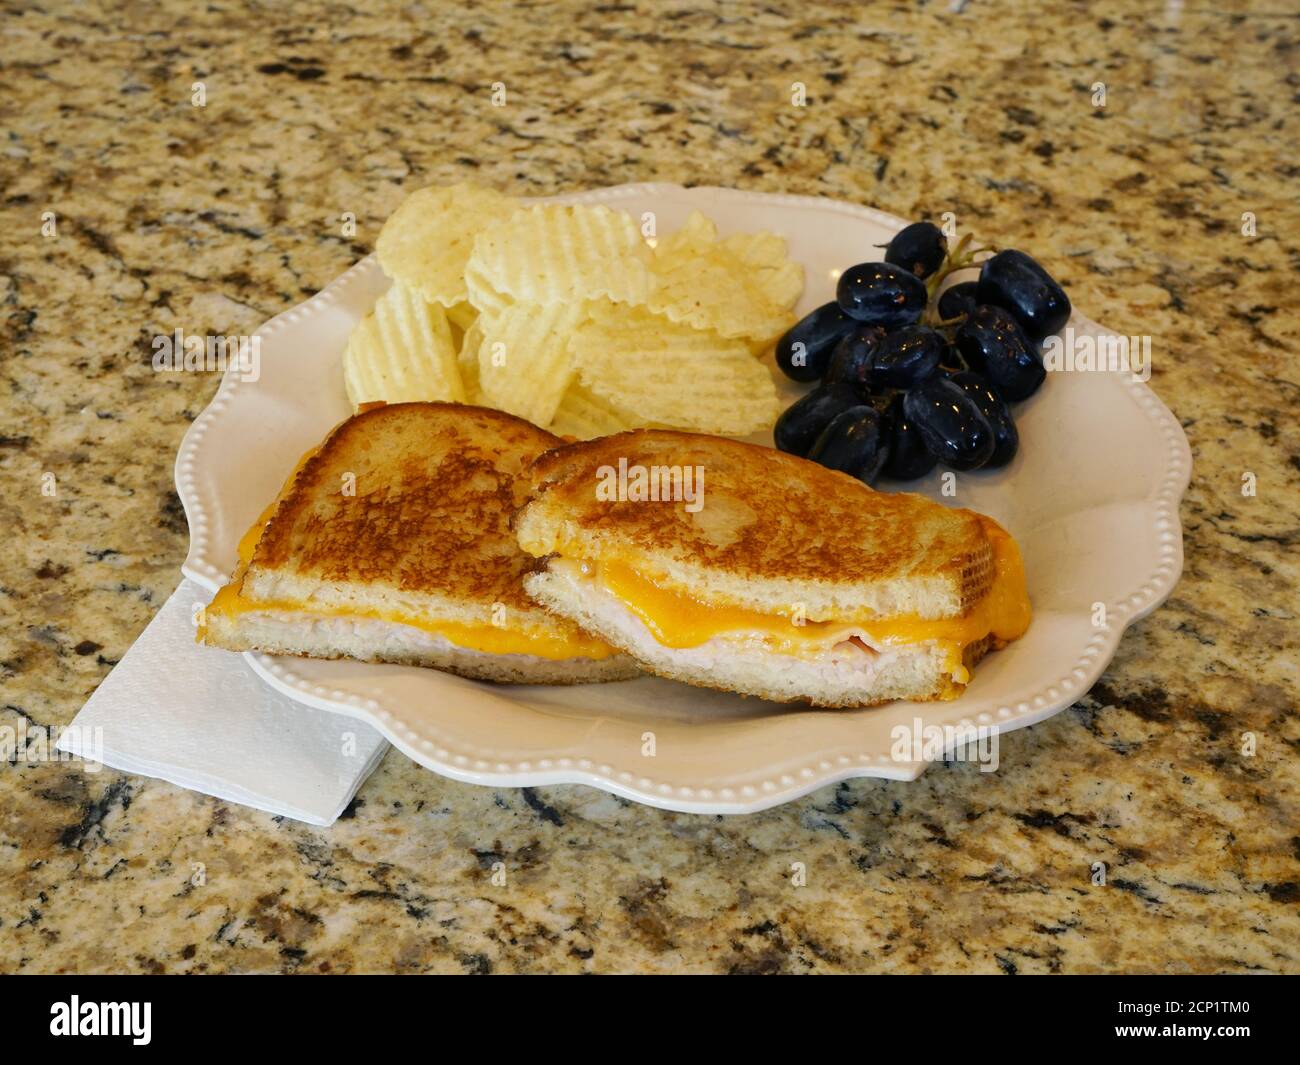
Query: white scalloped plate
x,y
1092,498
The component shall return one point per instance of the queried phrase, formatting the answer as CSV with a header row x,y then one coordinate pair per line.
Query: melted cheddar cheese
x,y
491,639
677,619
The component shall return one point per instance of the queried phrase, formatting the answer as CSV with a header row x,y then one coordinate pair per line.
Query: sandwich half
x,y
391,543
733,566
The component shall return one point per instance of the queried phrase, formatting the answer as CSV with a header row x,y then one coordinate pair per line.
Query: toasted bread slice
x,y
772,530
391,543
743,568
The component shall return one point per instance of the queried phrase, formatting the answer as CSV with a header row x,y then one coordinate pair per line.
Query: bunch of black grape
x,y
911,377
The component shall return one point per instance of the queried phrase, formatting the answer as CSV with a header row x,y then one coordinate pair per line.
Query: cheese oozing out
x,y
677,619
230,601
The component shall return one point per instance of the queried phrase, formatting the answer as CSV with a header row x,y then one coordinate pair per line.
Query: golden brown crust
x,y
765,515
435,485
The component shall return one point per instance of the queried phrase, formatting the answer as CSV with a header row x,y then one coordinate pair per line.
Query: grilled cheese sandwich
x,y
416,565
792,582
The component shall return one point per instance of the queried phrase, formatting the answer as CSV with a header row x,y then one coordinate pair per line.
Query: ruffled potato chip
x,y
737,290
584,416
427,241
402,351
525,363
552,254
650,370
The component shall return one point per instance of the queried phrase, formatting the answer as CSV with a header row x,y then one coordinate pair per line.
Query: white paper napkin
x,y
202,719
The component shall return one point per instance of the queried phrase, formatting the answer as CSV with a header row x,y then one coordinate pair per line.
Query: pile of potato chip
x,y
569,317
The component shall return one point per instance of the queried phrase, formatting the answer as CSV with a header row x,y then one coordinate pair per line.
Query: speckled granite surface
x,y
217,218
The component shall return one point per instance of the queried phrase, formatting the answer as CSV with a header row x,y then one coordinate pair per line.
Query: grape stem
x,y
962,257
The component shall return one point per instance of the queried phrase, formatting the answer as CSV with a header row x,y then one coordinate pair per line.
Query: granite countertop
x,y
214,218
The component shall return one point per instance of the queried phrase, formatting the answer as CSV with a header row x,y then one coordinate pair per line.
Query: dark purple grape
x,y
993,344
854,443
919,248
853,356
957,300
881,294
806,347
1013,280
908,356
908,457
950,424
803,421
1006,438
